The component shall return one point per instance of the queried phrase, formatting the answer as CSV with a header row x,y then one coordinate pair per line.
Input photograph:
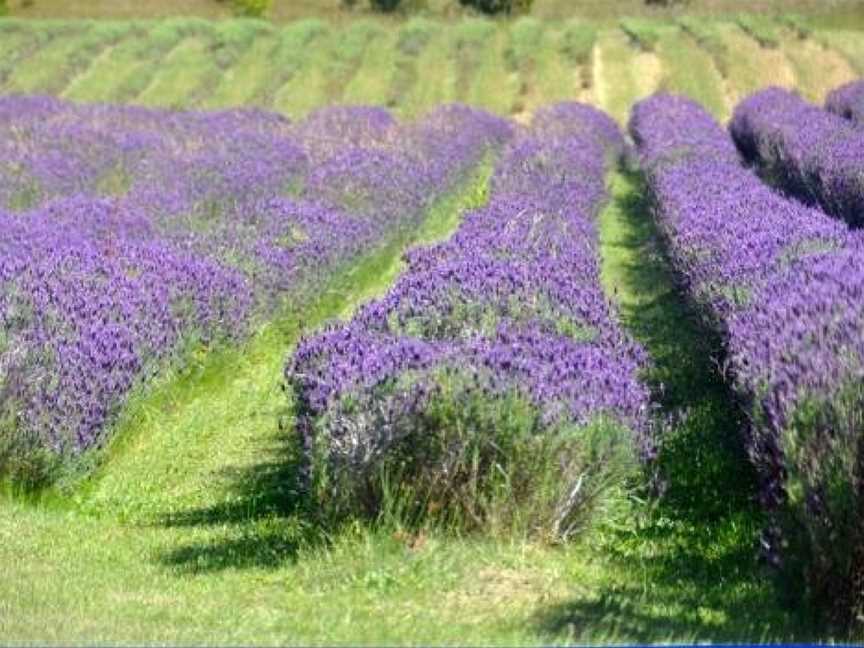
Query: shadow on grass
x,y
263,523
688,568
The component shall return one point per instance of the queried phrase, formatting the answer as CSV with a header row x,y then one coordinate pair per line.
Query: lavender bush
x,y
144,232
783,285
810,152
492,383
848,101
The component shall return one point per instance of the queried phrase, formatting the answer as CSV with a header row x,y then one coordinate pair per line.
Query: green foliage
x,y
706,34
499,6
798,24
25,464
821,524
762,29
415,35
251,8
4,8
476,462
577,42
526,35
234,37
644,33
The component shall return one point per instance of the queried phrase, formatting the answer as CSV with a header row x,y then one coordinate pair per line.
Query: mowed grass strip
x,y
438,71
191,71
129,67
508,67
50,69
16,44
282,77
373,78
491,86
847,43
241,82
411,41
686,570
326,69
546,75
33,68
688,69
623,74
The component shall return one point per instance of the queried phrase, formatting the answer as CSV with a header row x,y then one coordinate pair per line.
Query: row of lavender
x,y
784,285
848,101
492,381
143,231
813,153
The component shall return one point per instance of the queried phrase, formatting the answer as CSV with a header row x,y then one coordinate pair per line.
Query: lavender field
x,y
440,375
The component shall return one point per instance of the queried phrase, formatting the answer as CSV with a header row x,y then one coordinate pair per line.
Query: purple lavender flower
x,y
810,152
848,101
144,230
511,305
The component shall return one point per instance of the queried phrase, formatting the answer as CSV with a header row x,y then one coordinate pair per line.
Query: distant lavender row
x,y
848,101
510,307
212,217
784,285
811,152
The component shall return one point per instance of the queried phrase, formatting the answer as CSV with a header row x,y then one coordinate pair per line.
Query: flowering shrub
x,y
810,152
848,101
783,285
146,232
492,383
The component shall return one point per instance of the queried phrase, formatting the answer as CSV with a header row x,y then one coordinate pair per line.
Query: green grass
x,y
622,80
198,64
411,41
689,69
181,76
239,84
693,557
372,80
764,31
645,34
33,64
289,71
508,67
848,44
436,73
61,63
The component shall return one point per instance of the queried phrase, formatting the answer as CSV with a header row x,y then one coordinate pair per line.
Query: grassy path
x,y
238,85
687,569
